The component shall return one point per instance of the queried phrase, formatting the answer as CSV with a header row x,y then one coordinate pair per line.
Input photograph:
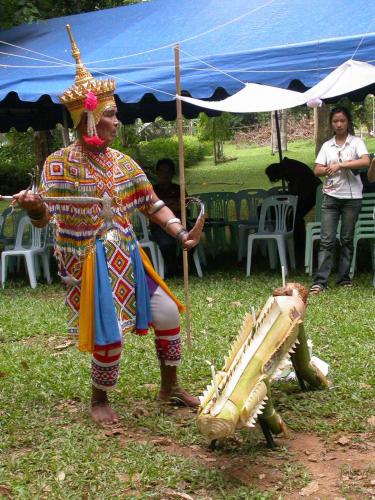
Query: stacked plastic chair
x,y
276,225
313,231
140,225
217,220
248,203
365,229
30,243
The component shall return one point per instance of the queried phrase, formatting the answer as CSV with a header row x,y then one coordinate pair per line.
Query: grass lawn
x,y
49,448
247,171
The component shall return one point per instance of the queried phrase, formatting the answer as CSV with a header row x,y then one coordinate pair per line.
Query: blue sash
x,y
107,328
142,294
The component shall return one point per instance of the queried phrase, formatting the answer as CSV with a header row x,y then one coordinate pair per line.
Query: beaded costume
x,y
74,172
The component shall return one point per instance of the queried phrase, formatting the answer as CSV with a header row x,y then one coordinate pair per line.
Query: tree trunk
x,y
41,150
284,129
123,135
322,129
41,146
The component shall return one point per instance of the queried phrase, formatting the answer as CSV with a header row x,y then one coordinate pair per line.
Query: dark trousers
x,y
334,209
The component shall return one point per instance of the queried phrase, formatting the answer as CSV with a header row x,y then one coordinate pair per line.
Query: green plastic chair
x,y
313,231
217,221
365,229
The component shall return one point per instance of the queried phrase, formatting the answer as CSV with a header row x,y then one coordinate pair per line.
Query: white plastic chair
x,y
36,246
140,225
8,228
248,220
141,228
275,214
198,258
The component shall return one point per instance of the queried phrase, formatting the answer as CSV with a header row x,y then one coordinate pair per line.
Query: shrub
x,y
14,171
17,158
148,153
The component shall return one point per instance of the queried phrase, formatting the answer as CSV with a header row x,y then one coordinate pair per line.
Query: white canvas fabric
x,y
351,75
254,98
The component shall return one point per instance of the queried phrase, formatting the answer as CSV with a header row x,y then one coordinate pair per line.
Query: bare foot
x,y
102,413
179,396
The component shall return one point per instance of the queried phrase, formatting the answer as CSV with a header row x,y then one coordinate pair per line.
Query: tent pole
x,y
181,167
279,147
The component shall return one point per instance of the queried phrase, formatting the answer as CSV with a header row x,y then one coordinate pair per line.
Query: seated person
x,y
302,182
170,193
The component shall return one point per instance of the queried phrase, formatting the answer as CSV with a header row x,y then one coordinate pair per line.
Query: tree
x,y
14,12
218,130
283,127
322,128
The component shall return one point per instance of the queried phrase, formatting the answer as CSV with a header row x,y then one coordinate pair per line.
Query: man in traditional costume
x,y
112,288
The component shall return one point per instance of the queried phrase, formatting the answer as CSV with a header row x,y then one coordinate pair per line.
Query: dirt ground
x,y
302,466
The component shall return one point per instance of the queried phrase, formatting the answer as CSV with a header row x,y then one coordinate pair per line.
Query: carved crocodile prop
x,y
240,392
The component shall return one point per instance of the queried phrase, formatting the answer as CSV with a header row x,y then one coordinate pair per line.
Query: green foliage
x,y
217,128
17,12
17,158
27,11
148,153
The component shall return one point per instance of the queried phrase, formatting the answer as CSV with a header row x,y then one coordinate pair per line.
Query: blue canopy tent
x,y
286,43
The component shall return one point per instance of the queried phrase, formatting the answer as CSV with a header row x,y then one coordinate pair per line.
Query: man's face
x,y
107,126
164,173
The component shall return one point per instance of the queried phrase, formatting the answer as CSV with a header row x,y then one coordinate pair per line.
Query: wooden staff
x,y
181,169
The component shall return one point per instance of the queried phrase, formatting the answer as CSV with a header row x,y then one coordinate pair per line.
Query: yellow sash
x,y
86,310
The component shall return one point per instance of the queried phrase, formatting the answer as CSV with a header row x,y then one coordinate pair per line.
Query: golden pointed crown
x,y
73,97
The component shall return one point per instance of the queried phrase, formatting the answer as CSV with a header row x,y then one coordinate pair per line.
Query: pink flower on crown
x,y
91,101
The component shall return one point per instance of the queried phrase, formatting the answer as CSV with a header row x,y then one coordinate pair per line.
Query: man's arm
x,y
35,207
167,220
371,171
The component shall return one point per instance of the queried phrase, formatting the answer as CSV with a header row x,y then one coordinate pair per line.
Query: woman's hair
x,y
346,112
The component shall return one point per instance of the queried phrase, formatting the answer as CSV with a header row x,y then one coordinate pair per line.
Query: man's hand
x,y
194,235
29,201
